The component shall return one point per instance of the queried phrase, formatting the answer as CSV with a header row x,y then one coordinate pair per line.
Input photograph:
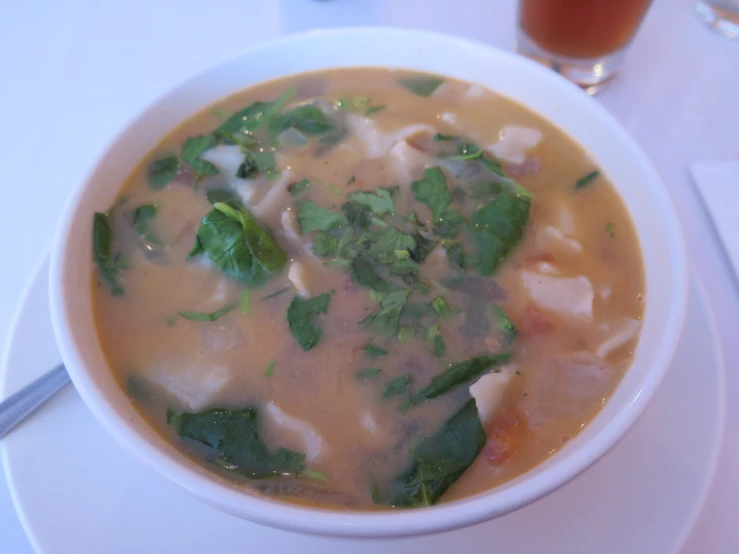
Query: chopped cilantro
x,y
496,229
270,368
609,228
439,304
387,318
141,217
586,180
367,374
297,187
162,171
312,217
213,316
192,149
380,202
432,191
405,334
245,301
397,386
373,351
372,110
301,317
424,85
505,324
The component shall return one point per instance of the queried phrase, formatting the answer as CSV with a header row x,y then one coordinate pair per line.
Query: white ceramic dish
x,y
539,89
642,497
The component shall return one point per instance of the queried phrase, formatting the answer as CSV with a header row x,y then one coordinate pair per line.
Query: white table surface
x,y
75,71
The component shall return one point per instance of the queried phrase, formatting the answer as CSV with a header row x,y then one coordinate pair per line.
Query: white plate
x,y
77,491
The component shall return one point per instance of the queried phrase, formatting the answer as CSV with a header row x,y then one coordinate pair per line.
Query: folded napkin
x,y
718,184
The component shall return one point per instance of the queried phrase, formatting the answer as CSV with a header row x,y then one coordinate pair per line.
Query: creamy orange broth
x,y
573,287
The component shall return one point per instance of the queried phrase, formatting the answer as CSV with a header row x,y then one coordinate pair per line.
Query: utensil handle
x,y
16,408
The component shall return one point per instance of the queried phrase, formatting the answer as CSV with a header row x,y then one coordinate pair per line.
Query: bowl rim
x,y
294,517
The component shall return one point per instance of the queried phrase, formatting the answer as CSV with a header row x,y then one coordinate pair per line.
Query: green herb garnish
x,y
141,217
423,85
234,436
270,368
466,152
380,201
372,110
298,186
245,301
387,318
459,374
367,374
496,229
587,180
505,324
397,386
213,316
102,250
192,149
301,316
161,172
432,190
440,306
373,351
609,228
312,217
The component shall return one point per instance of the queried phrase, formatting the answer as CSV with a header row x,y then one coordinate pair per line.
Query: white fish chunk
x,y
489,391
377,143
302,431
406,162
275,197
196,386
568,296
514,142
551,238
623,334
299,276
227,158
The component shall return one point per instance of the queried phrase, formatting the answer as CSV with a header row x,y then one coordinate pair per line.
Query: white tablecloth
x,y
74,71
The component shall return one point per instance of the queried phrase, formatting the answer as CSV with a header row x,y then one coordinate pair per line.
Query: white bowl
x,y
528,83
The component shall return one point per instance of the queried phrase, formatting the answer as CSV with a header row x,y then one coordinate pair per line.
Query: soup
x,y
367,289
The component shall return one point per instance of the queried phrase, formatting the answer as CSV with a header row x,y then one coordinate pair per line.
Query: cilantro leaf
x,y
192,149
224,196
424,85
384,243
460,374
356,214
372,110
448,224
234,436
297,187
440,306
162,171
432,191
308,119
496,229
367,374
102,250
301,315
373,351
505,324
363,273
397,386
141,217
387,318
380,202
312,217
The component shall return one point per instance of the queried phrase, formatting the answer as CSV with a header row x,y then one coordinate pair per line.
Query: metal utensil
x,y
16,408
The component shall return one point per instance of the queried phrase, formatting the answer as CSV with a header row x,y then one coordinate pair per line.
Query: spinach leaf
x,y
423,247
234,436
301,316
387,318
455,252
270,368
438,461
397,386
238,245
379,202
460,374
102,251
373,351
496,229
312,217
162,171
141,217
363,273
505,324
192,149
587,180
424,85
224,196
432,191
338,245
200,316
367,374
256,162
244,121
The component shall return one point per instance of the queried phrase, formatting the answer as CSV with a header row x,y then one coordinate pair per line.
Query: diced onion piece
x,y
514,142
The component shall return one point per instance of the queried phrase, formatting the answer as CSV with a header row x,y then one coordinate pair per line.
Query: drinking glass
x,y
721,15
584,40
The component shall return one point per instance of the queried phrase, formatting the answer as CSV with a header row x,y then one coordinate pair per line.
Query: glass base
x,y
589,73
722,16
